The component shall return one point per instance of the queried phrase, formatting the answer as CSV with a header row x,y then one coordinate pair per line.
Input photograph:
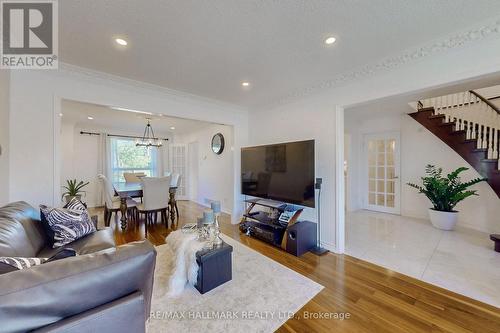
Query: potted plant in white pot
x,y
73,189
445,193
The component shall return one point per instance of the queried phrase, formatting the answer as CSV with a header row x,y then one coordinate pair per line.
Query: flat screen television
x,y
283,172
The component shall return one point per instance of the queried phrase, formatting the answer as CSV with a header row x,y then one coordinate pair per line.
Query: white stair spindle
x,y
495,144
485,137
490,143
479,136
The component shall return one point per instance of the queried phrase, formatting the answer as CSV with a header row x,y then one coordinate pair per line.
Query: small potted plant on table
x,y
445,193
73,189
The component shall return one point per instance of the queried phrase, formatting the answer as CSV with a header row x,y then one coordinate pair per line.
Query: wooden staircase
x,y
468,124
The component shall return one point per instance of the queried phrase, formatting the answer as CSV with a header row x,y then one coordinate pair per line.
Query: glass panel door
x,y
382,172
178,158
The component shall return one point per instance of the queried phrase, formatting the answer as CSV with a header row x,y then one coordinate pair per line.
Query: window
x,y
126,157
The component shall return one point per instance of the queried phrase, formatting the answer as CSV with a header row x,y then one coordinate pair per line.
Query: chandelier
x,y
149,139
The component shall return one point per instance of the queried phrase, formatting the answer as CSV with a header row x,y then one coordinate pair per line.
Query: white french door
x,y
382,167
179,164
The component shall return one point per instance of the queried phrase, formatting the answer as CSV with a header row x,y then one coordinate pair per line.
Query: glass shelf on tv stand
x,y
263,218
267,203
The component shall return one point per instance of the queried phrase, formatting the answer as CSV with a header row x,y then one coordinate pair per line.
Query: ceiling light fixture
x,y
90,118
245,84
121,41
148,139
172,128
330,40
130,110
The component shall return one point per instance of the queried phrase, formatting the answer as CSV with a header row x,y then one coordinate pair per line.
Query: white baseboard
x,y
330,247
208,206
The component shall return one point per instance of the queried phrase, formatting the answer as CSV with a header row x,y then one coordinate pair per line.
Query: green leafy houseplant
x,y
73,188
445,192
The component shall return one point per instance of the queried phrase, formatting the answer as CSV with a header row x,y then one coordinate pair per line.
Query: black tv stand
x,y
295,237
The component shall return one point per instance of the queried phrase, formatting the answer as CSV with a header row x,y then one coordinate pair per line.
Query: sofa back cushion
x,y
21,233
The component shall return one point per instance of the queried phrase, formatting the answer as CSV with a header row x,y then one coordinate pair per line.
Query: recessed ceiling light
x,y
172,128
330,40
121,41
90,118
245,84
60,114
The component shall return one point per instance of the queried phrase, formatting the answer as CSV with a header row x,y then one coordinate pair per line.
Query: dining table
x,y
134,190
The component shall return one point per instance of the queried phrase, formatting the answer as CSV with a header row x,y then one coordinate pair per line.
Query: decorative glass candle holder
x,y
216,207
208,221
201,229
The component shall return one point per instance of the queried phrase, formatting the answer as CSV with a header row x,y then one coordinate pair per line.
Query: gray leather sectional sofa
x,y
102,289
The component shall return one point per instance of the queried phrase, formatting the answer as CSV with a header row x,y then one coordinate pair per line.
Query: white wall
x,y
419,147
4,136
212,181
35,125
292,122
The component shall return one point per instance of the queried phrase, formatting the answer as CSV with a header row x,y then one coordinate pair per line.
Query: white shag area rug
x,y
261,297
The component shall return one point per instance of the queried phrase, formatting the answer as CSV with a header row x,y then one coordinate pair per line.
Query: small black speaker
x,y
318,183
301,237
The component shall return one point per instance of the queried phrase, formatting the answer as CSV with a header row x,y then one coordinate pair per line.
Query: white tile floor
x,y
462,261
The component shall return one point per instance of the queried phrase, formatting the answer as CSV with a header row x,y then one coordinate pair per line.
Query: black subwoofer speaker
x,y
301,237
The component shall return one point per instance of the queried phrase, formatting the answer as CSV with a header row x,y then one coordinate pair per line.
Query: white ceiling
x,y
106,118
209,47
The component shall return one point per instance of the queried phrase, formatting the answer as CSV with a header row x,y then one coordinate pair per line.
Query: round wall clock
x,y
218,143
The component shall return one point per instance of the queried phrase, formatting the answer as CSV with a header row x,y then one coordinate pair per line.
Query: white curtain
x,y
162,160
104,162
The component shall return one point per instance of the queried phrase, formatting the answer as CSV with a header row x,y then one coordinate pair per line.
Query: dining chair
x,y
112,201
131,177
155,192
134,177
174,184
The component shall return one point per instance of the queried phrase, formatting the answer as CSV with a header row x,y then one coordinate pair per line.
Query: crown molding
x,y
486,30
130,83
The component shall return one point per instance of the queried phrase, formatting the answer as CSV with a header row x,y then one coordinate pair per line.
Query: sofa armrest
x,y
122,315
45,294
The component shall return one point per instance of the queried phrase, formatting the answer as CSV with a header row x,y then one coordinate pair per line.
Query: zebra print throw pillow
x,y
9,264
76,205
67,225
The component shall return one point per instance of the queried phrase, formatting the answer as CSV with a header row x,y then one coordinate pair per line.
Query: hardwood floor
x,y
377,299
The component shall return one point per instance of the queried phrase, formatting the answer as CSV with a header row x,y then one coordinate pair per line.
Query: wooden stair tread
x,y
448,124
435,116
459,132
489,160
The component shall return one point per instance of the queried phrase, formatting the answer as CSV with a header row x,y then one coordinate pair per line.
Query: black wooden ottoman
x,y
496,239
215,267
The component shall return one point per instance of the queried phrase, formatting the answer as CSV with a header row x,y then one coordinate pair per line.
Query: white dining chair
x,y
155,192
174,184
131,177
112,201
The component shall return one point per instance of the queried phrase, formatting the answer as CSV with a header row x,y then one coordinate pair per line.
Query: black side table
x,y
215,267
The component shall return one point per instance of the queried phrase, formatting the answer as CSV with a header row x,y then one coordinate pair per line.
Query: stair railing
x,y
472,113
